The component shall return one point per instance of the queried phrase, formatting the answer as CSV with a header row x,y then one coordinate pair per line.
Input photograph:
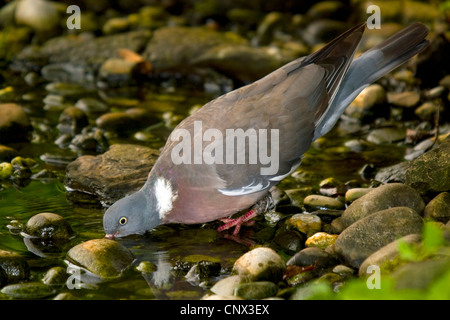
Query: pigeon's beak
x,y
111,236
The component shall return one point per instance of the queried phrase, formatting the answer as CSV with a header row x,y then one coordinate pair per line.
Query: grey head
x,y
134,214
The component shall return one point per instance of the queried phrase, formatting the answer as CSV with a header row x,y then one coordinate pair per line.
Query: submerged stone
x,y
103,257
55,276
15,266
48,226
28,290
6,170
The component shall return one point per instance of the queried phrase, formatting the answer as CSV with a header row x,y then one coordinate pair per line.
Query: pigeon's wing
x,y
276,115
288,103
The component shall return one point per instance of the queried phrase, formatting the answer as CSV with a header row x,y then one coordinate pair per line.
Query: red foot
x,y
238,222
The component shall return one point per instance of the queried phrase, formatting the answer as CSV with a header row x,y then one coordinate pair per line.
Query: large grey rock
x,y
419,275
387,253
430,173
438,209
108,177
380,198
373,232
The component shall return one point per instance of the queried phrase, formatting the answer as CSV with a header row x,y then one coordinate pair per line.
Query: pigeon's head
x,y
134,214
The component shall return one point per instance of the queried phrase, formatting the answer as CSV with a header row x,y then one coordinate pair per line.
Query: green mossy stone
x,y
103,257
48,226
28,290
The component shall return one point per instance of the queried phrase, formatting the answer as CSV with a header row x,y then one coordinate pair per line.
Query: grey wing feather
x,y
371,66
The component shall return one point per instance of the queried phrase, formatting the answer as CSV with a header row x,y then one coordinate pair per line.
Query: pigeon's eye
x,y
123,220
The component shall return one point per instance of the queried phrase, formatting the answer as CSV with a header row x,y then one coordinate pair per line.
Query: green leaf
x,y
433,238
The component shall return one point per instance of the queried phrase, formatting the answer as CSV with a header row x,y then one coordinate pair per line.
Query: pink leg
x,y
259,207
237,223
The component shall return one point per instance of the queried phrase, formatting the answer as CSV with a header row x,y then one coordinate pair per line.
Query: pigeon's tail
x,y
371,66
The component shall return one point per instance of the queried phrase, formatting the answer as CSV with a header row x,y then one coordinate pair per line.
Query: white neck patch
x,y
165,196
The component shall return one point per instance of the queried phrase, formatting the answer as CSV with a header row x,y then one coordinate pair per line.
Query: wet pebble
x,y
62,89
119,122
198,268
40,15
14,266
438,208
256,290
386,135
301,277
343,270
14,123
305,223
117,72
367,235
226,286
116,25
405,99
355,193
380,198
321,240
435,92
315,202
312,256
6,170
28,290
146,267
7,153
71,121
103,257
266,28
260,264
298,195
55,276
428,111
90,140
289,240
48,226
91,105
362,107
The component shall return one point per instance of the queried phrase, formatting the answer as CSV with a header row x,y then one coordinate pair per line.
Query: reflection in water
x,y
170,245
